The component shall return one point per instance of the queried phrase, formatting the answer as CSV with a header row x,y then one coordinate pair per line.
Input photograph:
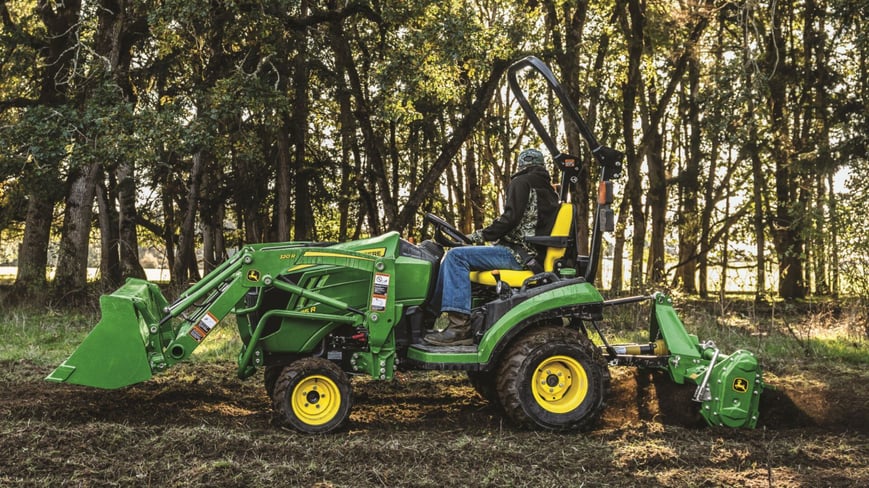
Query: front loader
x,y
310,315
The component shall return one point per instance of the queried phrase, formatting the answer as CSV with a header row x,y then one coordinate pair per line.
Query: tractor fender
x,y
543,304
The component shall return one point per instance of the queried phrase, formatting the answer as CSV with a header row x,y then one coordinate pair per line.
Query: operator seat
x,y
556,244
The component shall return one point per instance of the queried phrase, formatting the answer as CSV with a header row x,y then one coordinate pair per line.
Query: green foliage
x,y
177,79
45,337
223,344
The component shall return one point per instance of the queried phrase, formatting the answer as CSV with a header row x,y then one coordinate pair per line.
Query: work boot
x,y
455,330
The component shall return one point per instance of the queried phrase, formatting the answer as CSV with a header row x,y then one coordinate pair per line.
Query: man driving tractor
x,y
529,210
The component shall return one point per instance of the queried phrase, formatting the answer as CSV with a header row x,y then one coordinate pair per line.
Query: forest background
x,y
186,128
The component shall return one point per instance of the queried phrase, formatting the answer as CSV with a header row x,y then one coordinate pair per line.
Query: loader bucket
x,y
116,352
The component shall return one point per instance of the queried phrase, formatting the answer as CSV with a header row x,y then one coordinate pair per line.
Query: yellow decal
x,y
308,310
321,254
253,275
378,251
299,267
740,385
288,256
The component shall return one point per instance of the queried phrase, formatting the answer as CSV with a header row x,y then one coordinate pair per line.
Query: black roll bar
x,y
609,159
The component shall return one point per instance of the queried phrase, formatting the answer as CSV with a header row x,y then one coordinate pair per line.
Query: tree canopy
x,y
195,126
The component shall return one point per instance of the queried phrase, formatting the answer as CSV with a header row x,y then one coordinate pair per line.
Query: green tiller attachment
x,y
115,353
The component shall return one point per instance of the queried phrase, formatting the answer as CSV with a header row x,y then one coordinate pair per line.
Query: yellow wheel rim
x,y
316,400
559,384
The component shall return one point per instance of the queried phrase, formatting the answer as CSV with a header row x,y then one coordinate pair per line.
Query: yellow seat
x,y
556,247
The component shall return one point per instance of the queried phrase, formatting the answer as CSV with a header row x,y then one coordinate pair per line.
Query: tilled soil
x,y
199,425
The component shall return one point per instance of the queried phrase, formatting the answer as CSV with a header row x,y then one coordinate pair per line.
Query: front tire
x,y
313,395
270,378
553,378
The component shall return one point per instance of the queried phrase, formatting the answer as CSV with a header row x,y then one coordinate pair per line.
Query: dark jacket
x,y
530,210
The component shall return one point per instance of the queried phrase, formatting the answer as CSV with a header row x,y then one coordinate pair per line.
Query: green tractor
x,y
309,314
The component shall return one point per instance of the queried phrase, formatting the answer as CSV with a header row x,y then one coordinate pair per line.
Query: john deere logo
x,y
253,275
740,385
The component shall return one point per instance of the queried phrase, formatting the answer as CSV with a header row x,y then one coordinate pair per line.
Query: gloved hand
x,y
476,237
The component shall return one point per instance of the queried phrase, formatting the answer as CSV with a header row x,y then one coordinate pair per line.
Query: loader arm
x,y
140,334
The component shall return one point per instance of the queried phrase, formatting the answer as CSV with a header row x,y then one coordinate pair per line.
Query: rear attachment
x,y
728,386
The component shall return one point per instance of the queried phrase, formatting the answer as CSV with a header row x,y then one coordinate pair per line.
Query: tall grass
x,y
43,337
780,337
48,336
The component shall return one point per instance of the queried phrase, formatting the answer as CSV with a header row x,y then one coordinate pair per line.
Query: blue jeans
x,y
453,288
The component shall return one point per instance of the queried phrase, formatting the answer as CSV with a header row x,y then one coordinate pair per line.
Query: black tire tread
x,y
512,361
485,383
295,371
270,378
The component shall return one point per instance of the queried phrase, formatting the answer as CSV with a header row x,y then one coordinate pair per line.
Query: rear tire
x,y
484,382
313,395
553,378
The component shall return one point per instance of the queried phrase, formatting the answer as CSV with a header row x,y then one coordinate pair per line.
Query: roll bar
x,y
609,159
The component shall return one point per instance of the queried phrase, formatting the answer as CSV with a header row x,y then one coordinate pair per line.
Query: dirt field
x,y
198,425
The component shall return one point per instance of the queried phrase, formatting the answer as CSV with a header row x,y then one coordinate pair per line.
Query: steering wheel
x,y
445,234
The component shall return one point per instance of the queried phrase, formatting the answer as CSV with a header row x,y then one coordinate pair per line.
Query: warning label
x,y
380,291
378,304
208,322
200,330
381,284
197,334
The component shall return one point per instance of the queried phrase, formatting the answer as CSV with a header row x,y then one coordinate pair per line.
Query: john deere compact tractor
x,y
310,315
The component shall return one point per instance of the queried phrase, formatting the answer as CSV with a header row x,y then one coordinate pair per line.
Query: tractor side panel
x,y
295,335
412,278
562,297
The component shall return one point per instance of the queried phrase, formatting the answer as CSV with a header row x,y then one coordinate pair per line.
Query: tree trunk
x,y
167,194
72,259
473,218
656,199
110,262
758,187
818,59
819,245
211,211
834,239
345,117
567,51
304,213
56,62
788,220
725,254
689,187
282,183
128,236
633,187
183,271
33,252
